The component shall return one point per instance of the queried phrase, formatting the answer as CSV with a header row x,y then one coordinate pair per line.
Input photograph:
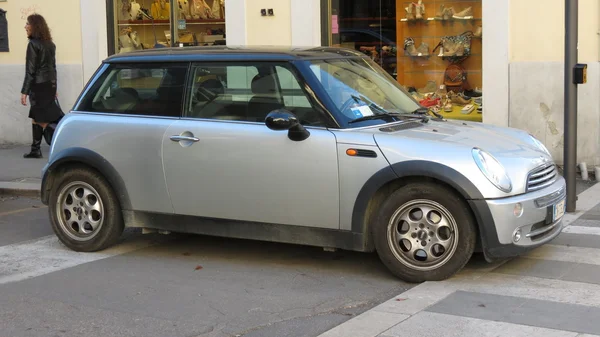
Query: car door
x,y
222,161
127,112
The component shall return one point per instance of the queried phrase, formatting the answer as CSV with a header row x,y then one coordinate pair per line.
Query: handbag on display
x,y
201,10
455,78
216,9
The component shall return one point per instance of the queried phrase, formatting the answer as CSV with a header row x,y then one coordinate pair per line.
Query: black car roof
x,y
223,53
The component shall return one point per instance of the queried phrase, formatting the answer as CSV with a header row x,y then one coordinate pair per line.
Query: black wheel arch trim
x,y
420,168
90,158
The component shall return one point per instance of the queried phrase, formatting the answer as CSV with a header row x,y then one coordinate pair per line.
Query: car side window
x,y
247,92
139,89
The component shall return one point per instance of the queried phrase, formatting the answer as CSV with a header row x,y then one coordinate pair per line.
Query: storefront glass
x,y
147,24
431,47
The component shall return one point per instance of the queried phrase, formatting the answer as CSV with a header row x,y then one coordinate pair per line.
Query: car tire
x,y
424,232
84,211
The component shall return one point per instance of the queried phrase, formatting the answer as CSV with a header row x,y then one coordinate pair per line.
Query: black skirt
x,y
43,103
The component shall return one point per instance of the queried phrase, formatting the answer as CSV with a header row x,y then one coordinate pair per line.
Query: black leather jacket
x,y
40,65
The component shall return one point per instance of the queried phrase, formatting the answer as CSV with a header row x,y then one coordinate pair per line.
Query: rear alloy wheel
x,y
84,211
424,232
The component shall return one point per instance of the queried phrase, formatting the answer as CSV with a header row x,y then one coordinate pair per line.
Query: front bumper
x,y
537,225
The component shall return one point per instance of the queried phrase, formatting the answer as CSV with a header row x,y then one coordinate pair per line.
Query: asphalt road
x,y
179,285
176,285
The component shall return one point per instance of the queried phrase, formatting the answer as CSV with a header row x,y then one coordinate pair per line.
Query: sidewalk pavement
x,y
19,175
552,291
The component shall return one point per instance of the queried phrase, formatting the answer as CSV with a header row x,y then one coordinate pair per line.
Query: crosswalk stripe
x,y
582,230
566,254
45,255
436,324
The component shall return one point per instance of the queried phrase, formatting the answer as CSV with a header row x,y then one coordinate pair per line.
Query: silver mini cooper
x,y
316,147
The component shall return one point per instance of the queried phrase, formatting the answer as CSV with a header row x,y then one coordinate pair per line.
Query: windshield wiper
x,y
424,111
375,116
382,112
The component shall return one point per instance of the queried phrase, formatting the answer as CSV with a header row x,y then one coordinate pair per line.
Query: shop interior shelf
x,y
434,19
167,22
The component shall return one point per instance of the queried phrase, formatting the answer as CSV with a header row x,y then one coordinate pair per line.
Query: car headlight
x,y
492,169
540,145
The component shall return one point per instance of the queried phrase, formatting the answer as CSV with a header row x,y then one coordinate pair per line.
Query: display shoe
x,y
457,99
37,132
419,10
455,50
430,101
465,97
440,15
478,33
441,91
423,49
411,50
448,104
429,87
464,15
473,93
448,13
410,12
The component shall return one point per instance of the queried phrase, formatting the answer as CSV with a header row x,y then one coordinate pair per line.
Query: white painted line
x,y
582,230
429,324
369,324
535,288
566,254
586,200
45,255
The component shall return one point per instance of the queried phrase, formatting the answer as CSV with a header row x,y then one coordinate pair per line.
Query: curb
x,y
20,189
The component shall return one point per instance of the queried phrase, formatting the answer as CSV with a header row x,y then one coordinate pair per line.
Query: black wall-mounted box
x,y
580,73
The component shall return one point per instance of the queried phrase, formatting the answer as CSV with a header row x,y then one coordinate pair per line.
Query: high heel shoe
x,y
410,12
420,10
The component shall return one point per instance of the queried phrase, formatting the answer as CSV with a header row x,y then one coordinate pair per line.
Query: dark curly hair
x,y
39,28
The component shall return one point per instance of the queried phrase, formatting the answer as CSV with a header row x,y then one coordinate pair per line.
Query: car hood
x,y
451,143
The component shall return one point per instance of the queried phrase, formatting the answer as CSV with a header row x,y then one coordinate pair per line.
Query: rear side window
x,y
138,89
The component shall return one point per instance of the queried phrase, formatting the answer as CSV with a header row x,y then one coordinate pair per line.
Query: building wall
x,y
537,74
295,23
273,30
65,25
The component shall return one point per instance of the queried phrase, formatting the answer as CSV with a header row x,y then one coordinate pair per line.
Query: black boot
x,y
37,132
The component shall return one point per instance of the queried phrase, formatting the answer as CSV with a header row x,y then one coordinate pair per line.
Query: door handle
x,y
178,138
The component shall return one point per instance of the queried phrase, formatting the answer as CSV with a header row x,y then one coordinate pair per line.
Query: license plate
x,y
559,210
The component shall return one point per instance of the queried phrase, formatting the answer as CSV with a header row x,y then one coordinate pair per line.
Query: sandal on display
x,y
430,87
465,14
420,10
410,12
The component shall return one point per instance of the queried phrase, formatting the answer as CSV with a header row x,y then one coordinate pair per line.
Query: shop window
x,y
148,24
431,47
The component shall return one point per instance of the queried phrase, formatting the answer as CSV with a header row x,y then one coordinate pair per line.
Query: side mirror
x,y
280,120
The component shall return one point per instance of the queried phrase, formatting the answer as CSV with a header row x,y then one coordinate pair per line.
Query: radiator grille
x,y
541,177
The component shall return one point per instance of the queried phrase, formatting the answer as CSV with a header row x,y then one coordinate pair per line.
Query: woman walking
x,y
40,81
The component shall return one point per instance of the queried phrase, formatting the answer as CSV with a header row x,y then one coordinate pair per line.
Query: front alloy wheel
x,y
424,232
422,235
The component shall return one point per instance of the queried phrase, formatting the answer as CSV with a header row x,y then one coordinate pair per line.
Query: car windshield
x,y
363,92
